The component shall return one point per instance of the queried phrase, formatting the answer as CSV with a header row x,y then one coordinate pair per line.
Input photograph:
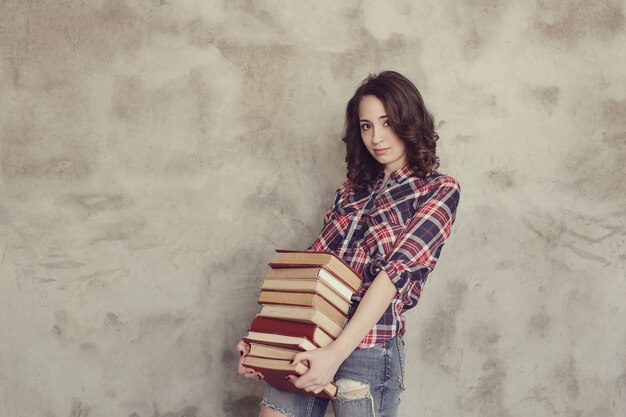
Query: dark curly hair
x,y
409,118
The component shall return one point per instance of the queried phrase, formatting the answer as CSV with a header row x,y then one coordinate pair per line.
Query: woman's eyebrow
x,y
384,116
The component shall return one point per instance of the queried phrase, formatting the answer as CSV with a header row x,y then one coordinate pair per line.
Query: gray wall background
x,y
154,153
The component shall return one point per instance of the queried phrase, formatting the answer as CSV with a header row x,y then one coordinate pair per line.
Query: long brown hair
x,y
409,118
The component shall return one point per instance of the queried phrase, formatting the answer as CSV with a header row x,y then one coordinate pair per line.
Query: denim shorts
x,y
370,382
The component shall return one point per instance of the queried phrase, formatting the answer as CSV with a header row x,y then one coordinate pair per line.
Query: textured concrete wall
x,y
153,153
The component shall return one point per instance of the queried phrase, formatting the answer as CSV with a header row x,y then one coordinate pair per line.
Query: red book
x,y
276,371
291,328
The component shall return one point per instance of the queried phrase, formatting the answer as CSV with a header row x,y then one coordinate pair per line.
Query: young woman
x,y
389,221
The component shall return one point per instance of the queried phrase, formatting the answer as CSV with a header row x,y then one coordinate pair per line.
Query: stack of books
x,y
304,300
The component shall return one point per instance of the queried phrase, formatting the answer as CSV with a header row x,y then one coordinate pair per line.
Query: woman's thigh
x,y
370,381
293,405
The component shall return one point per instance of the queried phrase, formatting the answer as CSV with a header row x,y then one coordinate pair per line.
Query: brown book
x,y
268,351
304,314
279,327
276,371
279,340
304,300
307,285
293,258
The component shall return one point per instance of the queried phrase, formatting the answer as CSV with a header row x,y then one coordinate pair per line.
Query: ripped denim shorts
x,y
369,384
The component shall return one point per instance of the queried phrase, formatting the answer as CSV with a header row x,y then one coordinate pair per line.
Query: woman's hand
x,y
244,349
323,365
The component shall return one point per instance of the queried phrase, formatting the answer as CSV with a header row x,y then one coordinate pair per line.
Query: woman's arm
x,y
324,362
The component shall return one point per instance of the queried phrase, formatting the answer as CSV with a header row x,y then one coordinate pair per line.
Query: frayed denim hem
x,y
265,403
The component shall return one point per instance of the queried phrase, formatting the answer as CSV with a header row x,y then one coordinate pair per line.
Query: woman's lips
x,y
381,152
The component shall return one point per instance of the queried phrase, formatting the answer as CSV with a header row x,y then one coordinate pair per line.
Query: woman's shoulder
x,y
343,189
438,180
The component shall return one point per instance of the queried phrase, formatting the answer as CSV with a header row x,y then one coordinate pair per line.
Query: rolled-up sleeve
x,y
417,248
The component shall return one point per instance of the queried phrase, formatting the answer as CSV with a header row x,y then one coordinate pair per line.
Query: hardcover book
x,y
291,258
291,328
303,300
276,372
309,286
304,314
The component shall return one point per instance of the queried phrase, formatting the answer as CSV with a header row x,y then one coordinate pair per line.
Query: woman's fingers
x,y
301,357
243,348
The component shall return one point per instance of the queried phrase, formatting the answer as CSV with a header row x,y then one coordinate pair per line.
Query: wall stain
x,y
585,254
122,230
545,227
229,356
252,8
78,409
98,274
539,323
187,411
199,34
538,395
601,411
63,264
237,406
611,232
504,265
438,340
487,395
620,387
613,113
477,19
159,324
464,138
568,22
484,337
567,374
87,346
546,95
97,202
112,319
502,177
557,233
67,167
371,53
616,139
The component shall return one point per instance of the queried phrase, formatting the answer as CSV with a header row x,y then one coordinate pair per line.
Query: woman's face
x,y
378,135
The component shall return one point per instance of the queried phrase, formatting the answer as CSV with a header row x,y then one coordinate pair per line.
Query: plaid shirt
x,y
399,227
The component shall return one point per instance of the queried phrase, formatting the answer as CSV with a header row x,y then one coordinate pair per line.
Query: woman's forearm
x,y
371,308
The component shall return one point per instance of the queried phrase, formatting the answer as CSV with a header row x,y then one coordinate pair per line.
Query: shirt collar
x,y
401,174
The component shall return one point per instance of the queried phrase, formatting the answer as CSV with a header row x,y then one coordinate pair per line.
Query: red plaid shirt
x,y
399,227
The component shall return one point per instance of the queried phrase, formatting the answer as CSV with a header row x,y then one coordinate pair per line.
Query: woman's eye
x,y
386,124
365,126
